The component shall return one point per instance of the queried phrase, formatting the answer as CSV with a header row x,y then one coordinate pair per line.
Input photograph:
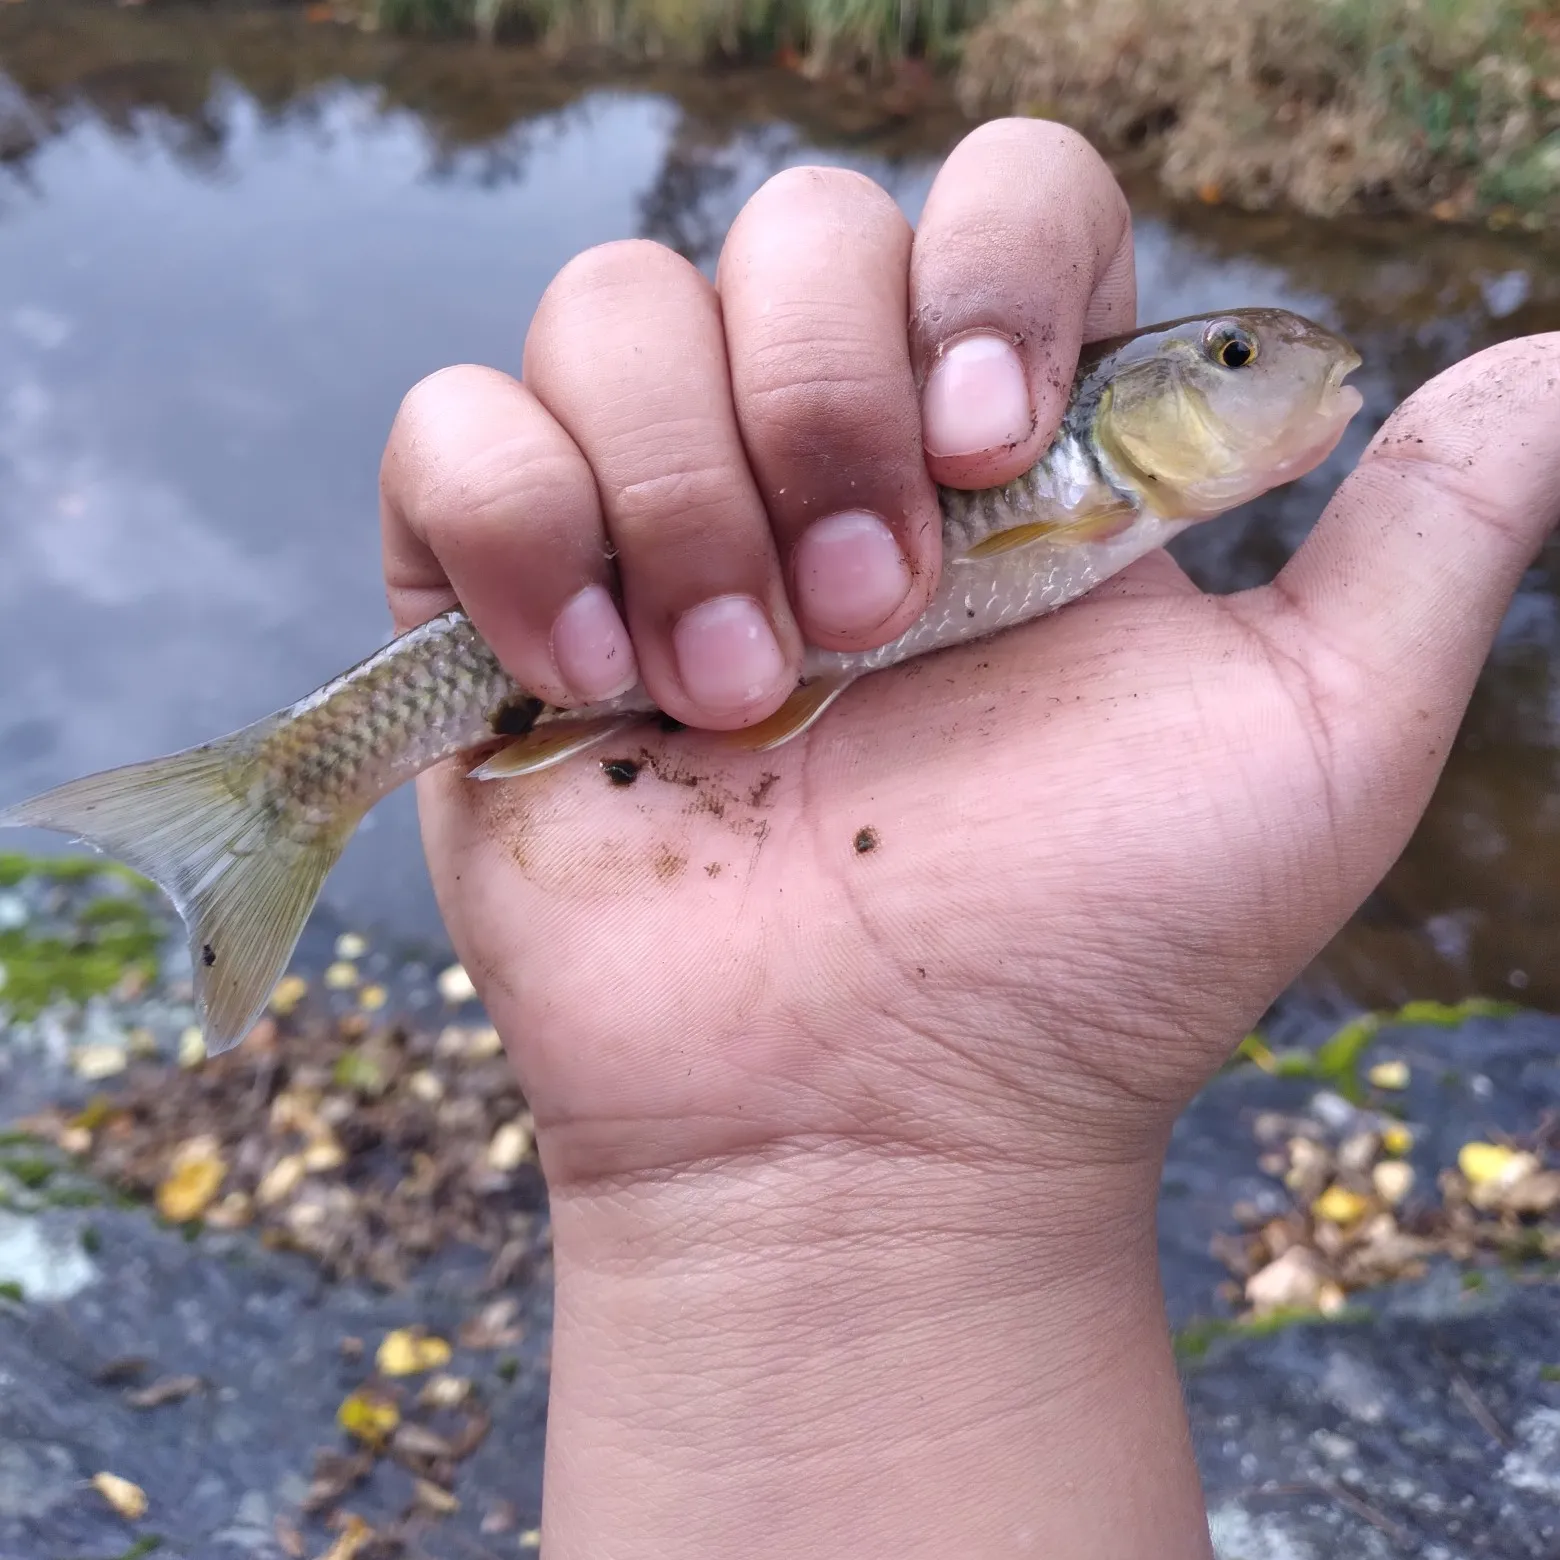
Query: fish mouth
x,y
1335,410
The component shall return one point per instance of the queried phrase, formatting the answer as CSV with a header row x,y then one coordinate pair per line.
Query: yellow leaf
x,y
409,1351
350,1541
368,1416
290,991
1485,1163
98,1061
1339,1205
195,1176
192,1047
531,1538
1389,1075
372,998
341,976
1396,1138
127,1499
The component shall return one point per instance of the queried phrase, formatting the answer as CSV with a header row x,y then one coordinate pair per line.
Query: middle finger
x,y
626,350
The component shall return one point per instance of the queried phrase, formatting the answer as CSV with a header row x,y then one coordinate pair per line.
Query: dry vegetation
x,y
1324,106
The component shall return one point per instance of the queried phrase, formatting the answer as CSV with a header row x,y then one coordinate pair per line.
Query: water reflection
x,y
227,248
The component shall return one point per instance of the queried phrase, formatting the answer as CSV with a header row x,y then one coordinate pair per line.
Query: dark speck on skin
x,y
620,771
761,791
866,839
208,955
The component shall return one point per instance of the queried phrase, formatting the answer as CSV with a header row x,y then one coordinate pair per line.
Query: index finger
x,y
1023,254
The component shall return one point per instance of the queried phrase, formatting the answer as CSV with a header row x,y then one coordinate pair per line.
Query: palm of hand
x,y
1004,895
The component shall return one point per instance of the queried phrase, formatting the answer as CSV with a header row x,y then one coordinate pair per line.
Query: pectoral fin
x,y
1109,517
543,746
793,717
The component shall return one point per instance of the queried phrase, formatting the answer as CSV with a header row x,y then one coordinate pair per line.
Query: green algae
x,y
1336,1061
1193,1342
80,950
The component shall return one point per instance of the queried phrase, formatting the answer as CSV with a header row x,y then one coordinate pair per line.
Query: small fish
x,y
1167,426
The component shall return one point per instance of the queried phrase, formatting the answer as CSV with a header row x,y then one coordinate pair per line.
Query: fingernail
x,y
591,646
976,399
850,573
727,654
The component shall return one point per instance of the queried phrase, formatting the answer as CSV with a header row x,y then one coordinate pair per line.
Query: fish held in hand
x,y
1170,425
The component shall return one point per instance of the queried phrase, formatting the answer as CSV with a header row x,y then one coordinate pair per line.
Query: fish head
x,y
1206,413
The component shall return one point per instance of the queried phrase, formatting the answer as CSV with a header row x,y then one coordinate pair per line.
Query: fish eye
x,y
1231,347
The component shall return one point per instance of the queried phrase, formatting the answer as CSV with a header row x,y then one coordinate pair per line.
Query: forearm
x,y
842,1355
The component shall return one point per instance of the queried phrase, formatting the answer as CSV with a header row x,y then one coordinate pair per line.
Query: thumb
x,y
1385,615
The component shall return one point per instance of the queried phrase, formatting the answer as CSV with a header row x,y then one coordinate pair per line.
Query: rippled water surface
x,y
228,247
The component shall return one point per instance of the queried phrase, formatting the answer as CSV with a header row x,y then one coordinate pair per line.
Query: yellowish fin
x,y
793,717
543,746
238,874
1108,518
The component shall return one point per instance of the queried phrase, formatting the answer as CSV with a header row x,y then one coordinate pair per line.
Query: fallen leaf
x,y
234,1212
1340,1206
1396,1138
531,1538
510,1145
492,1327
1485,1163
324,1153
334,1474
430,1497
1393,1180
420,1444
408,1351
1389,1075
1294,1280
444,1391
281,1180
170,1389
368,1416
341,976
500,1517
192,1047
98,1061
351,945
372,998
195,1176
355,1536
290,991
455,985
127,1499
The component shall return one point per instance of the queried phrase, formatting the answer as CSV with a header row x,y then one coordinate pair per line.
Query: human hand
x,y
890,1119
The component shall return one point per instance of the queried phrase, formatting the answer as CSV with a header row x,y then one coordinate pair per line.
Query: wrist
x,y
839,1351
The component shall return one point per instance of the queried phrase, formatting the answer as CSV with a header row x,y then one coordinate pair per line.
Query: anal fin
x,y
1101,520
546,745
800,711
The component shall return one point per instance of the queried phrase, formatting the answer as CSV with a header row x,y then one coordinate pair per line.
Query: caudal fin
x,y
210,839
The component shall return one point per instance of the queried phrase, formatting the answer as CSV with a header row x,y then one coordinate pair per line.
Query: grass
x,y
1326,106
825,32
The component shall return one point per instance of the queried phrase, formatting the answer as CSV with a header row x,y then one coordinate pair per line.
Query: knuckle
x,y
833,408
